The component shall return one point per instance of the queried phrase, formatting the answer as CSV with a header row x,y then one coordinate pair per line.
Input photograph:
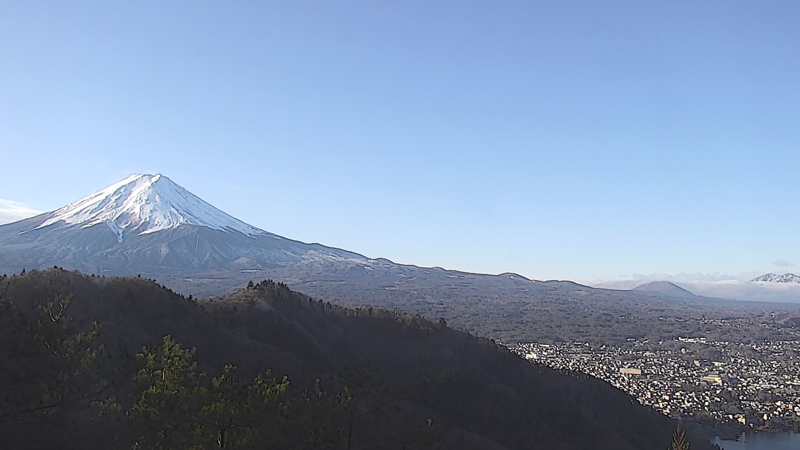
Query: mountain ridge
x,y
471,392
775,278
665,288
206,262
149,223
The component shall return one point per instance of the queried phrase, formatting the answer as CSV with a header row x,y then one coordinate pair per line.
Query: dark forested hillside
x,y
104,362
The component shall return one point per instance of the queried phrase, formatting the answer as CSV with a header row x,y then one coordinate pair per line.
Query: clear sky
x,y
569,140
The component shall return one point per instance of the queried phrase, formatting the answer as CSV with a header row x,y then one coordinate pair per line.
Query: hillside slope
x,y
475,393
664,288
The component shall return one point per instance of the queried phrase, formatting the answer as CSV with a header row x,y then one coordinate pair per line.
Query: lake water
x,y
762,441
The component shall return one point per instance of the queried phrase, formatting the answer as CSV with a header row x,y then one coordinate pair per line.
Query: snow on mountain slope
x,y
146,224
775,278
144,204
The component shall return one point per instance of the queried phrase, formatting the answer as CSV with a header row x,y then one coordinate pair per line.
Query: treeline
x,y
65,390
103,362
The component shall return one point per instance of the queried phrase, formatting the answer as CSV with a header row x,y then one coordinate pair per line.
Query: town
x,y
752,386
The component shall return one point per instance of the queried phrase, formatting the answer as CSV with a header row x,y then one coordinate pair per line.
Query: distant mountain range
x,y
149,225
775,278
664,288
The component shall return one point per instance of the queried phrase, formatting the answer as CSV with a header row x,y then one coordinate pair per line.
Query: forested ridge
x,y
103,362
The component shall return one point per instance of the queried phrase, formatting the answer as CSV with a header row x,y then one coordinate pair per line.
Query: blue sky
x,y
571,140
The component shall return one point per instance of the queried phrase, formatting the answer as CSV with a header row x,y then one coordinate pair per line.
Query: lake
x,y
762,441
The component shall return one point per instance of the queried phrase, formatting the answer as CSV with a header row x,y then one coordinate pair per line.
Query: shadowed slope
x,y
475,391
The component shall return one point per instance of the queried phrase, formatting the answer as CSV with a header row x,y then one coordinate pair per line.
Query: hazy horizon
x,y
719,285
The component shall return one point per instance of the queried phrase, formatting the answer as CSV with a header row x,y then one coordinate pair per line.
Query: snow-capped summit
x,y
775,278
143,204
149,224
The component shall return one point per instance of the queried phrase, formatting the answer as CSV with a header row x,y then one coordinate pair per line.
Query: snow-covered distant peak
x,y
143,204
775,278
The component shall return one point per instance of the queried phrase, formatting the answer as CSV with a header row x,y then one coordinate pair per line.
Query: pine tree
x,y
679,441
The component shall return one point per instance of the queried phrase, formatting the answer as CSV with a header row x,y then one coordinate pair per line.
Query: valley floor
x,y
738,386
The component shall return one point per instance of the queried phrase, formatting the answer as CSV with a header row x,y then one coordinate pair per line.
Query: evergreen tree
x,y
57,394
679,441
167,386
177,408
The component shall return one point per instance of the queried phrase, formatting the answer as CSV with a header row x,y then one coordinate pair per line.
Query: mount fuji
x,y
149,224
143,204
